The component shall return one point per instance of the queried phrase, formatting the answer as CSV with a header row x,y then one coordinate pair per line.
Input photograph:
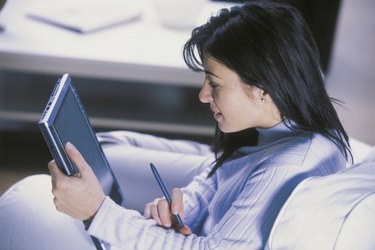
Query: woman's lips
x,y
217,115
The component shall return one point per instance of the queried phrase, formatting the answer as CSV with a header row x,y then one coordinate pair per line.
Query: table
x,y
142,52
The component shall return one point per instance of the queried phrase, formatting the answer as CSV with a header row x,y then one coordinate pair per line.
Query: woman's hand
x,y
163,214
81,196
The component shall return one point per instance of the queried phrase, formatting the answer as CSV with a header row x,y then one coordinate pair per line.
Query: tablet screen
x,y
65,120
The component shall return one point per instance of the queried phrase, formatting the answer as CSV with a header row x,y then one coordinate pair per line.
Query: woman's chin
x,y
224,129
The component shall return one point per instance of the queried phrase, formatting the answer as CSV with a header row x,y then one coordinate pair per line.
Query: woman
x,y
276,126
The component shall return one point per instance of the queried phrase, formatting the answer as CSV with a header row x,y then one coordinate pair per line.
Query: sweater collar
x,y
277,132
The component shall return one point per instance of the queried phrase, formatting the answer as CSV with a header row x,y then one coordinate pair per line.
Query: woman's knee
x,y
26,197
29,219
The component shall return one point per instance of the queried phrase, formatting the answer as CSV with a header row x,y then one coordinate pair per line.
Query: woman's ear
x,y
261,95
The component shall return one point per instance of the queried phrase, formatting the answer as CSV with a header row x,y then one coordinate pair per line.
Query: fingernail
x,y
174,210
69,146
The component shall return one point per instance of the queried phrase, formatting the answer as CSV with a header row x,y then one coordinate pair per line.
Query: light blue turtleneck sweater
x,y
237,206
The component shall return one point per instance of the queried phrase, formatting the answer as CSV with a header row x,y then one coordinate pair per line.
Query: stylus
x,y
165,192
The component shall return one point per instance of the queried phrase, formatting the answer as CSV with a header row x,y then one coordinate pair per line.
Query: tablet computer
x,y
64,120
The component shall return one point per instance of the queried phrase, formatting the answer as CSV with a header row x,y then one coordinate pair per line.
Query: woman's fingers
x,y
77,158
147,211
185,230
164,213
177,202
78,197
159,211
152,208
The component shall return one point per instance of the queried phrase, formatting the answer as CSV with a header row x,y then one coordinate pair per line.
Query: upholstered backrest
x,y
330,212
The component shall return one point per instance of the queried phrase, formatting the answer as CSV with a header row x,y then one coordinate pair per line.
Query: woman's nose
x,y
205,95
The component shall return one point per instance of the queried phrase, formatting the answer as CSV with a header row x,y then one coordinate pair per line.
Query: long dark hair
x,y
269,46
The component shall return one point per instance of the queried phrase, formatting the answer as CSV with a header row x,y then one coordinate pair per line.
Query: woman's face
x,y
235,105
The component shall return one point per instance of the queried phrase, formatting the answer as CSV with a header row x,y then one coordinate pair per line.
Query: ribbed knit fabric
x,y
236,207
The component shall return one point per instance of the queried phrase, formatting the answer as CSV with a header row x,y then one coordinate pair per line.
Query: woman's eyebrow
x,y
211,74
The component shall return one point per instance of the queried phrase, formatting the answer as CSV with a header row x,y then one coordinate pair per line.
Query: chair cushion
x,y
330,212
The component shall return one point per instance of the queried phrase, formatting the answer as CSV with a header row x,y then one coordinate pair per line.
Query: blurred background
x,y
163,102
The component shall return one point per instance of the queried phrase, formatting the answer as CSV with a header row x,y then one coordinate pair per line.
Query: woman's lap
x,y
29,219
28,216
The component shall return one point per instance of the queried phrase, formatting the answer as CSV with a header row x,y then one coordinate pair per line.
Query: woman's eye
x,y
213,85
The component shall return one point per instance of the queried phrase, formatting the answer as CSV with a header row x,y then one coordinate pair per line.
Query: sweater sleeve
x,y
124,228
127,229
238,228
197,197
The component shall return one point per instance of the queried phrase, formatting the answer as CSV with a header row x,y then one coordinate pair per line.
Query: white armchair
x,y
330,212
